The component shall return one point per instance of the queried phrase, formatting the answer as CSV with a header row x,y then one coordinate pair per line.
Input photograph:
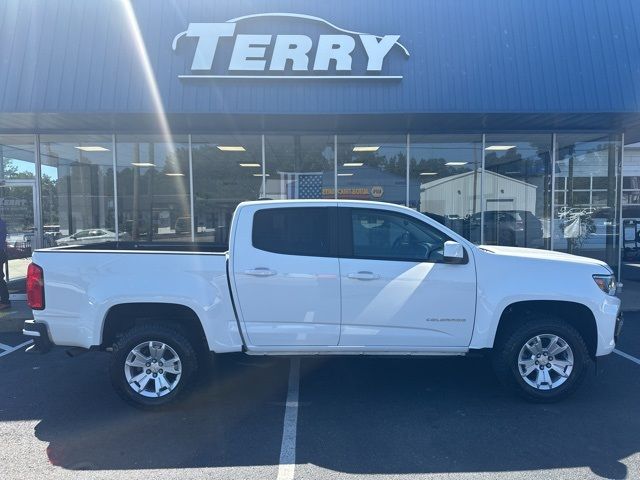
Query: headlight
x,y
607,283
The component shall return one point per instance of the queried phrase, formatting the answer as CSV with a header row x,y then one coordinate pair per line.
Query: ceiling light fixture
x,y
456,164
231,148
260,175
345,174
250,165
366,148
174,174
499,148
143,164
94,148
352,164
428,173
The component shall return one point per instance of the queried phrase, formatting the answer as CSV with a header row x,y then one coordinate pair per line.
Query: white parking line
x,y
627,356
286,468
18,347
5,347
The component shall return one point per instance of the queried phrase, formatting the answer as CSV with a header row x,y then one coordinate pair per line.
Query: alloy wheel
x,y
545,361
153,369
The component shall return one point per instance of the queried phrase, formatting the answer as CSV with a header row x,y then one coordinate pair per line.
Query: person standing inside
x,y
4,290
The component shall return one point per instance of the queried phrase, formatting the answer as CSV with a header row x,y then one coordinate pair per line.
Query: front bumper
x,y
38,332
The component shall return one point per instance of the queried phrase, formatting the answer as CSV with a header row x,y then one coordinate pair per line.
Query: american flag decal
x,y
310,185
301,185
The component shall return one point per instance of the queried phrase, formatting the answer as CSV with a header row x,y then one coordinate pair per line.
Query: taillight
x,y
35,287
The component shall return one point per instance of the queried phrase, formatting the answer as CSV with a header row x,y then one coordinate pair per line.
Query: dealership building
x,y
151,120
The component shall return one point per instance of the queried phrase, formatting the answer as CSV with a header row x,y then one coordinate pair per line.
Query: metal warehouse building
x,y
151,120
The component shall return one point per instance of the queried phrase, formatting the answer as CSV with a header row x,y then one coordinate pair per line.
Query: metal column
x,y
264,170
335,166
115,187
620,183
38,236
553,192
482,192
407,166
191,195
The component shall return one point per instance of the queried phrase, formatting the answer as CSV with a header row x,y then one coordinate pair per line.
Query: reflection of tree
x,y
146,191
298,154
12,171
577,229
394,164
219,184
81,190
218,175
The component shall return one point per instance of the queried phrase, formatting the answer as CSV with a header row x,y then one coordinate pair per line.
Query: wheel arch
x,y
578,315
121,317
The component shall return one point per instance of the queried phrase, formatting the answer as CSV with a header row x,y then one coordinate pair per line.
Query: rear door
x,y
286,274
396,289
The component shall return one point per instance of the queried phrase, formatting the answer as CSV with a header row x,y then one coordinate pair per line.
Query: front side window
x,y
395,236
293,231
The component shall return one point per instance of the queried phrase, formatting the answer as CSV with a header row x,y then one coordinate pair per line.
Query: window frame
x,y
332,225
345,244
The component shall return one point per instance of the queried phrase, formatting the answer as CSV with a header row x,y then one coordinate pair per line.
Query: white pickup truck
x,y
324,277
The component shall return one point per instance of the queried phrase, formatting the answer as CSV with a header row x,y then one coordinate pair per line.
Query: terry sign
x,y
266,56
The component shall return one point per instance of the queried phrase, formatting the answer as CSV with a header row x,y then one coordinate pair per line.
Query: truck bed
x,y
83,284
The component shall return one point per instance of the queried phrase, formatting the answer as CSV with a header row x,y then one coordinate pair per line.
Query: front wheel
x,y
151,365
544,360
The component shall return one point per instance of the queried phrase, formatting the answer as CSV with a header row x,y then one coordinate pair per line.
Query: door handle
x,y
260,272
363,276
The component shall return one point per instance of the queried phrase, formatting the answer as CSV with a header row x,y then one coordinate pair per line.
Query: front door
x,y
286,275
396,289
17,201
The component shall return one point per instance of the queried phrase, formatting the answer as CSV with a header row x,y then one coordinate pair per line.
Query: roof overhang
x,y
390,123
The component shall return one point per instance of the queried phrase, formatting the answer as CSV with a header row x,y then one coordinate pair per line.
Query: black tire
x,y
506,355
151,332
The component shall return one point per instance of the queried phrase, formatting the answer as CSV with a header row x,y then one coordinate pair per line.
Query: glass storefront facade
x,y
77,196
18,204
153,183
556,191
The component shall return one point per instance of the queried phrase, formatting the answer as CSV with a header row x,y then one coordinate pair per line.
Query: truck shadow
x,y
357,415
411,416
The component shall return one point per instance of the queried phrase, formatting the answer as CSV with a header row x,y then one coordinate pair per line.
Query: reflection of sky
x,y
22,166
51,172
585,165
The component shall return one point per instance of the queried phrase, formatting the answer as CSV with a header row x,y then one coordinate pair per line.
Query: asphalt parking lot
x,y
353,417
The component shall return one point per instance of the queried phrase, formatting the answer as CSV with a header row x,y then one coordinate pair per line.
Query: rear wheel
x,y
151,365
544,359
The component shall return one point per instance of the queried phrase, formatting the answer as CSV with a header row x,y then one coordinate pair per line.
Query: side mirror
x,y
453,252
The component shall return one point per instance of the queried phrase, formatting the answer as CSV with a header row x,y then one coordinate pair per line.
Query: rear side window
x,y
293,231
